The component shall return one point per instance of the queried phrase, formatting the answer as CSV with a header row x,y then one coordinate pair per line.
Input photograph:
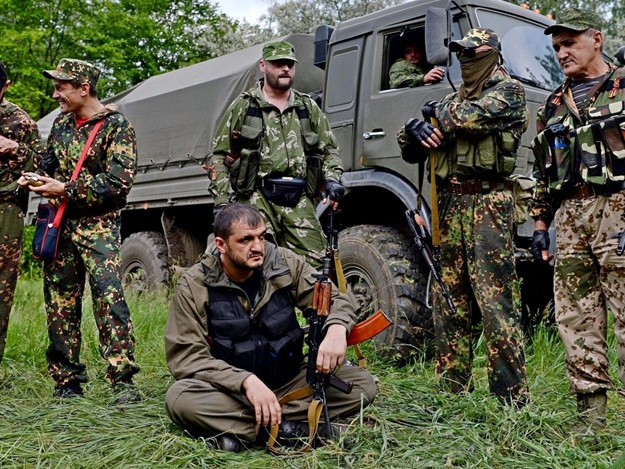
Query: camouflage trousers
x,y
296,228
11,232
589,279
89,247
478,268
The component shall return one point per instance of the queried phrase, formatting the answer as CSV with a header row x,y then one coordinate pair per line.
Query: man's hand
x,y
332,349
51,188
333,191
540,245
423,132
433,76
429,110
8,146
266,406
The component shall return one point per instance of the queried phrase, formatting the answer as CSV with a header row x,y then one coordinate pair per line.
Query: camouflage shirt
x,y
109,169
16,124
281,150
501,107
404,73
560,107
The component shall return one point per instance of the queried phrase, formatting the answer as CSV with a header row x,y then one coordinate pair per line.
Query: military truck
x,y
168,218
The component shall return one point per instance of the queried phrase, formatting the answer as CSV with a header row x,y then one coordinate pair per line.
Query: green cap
x,y
74,69
576,19
279,51
476,37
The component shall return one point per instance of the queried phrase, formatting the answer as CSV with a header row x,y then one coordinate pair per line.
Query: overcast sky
x,y
249,10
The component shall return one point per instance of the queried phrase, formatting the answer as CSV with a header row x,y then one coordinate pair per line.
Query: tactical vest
x,y
590,148
270,345
243,174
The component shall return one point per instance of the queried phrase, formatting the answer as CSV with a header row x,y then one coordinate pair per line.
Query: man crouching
x,y
234,344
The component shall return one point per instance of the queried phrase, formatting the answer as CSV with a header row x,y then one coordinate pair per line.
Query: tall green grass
x,y
411,424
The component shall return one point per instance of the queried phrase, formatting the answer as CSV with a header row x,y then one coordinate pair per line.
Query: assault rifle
x,y
422,241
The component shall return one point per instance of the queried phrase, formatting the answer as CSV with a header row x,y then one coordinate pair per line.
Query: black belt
x,y
586,190
477,186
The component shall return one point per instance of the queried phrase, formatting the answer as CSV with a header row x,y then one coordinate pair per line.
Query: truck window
x,y
408,44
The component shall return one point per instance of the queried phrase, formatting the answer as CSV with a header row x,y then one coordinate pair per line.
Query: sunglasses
x,y
468,52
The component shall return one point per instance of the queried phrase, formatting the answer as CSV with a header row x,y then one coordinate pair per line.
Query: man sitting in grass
x,y
234,344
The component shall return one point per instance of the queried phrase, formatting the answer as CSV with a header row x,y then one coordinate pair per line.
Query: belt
x,y
477,186
586,190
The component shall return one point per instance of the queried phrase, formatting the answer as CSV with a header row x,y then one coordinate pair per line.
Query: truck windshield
x,y
527,51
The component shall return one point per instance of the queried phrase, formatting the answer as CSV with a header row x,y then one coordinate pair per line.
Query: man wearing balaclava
x,y
479,131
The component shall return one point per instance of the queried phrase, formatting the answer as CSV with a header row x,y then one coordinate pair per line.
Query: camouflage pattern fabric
x,y
589,280
16,125
296,228
279,157
404,73
560,173
478,268
90,243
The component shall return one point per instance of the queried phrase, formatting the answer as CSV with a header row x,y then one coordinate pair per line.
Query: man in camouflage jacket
x,y
90,236
264,137
580,149
410,72
234,345
475,149
20,150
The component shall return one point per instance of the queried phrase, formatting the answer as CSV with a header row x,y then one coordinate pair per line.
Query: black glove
x,y
540,242
419,130
429,110
333,190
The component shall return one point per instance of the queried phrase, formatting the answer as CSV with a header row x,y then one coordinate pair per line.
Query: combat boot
x,y
591,408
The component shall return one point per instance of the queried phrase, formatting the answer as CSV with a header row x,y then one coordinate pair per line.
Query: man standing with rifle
x,y
472,153
234,344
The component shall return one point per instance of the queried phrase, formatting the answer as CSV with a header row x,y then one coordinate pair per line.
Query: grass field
x,y
411,424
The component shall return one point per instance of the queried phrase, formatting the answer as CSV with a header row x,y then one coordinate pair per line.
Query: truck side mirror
x,y
437,33
322,38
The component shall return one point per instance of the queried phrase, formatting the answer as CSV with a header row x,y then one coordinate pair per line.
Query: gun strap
x,y
436,233
340,276
314,414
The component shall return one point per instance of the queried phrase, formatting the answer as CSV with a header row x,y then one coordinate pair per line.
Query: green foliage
x,y
131,40
30,267
410,425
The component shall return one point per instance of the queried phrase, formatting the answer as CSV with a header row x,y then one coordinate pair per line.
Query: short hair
x,y
76,84
232,213
3,75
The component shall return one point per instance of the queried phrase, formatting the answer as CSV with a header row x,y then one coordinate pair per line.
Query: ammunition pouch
x,y
493,153
285,192
244,168
555,161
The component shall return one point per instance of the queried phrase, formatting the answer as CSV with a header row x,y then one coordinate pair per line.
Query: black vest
x,y
270,345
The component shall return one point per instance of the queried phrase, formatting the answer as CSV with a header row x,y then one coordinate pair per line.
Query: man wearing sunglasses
x,y
474,150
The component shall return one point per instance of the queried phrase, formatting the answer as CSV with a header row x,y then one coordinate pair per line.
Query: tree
x,y
130,40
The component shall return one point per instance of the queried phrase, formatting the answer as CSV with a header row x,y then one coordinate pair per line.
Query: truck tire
x,y
144,262
382,273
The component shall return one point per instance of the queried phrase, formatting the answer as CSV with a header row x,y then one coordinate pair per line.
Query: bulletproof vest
x,y
268,345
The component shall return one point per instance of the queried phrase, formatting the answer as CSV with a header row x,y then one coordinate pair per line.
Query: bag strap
x,y
59,213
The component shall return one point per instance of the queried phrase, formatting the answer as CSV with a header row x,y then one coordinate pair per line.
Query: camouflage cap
x,y
576,19
476,37
281,50
74,69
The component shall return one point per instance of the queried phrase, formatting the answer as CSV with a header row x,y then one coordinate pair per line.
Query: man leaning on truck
x,y
274,149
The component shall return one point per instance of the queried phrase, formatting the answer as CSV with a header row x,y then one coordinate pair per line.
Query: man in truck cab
x,y
410,70
474,150
274,149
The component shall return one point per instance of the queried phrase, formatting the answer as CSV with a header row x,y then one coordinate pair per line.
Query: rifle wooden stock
x,y
369,328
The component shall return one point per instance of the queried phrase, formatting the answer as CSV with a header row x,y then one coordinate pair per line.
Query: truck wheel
x,y
381,271
144,262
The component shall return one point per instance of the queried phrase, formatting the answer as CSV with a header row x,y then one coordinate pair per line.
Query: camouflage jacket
x,y
187,341
489,127
16,124
606,100
109,168
281,149
404,73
